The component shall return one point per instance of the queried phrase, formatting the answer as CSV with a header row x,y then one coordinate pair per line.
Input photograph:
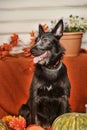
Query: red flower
x,y
15,123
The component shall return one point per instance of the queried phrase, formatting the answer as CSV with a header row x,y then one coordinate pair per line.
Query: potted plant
x,y
74,28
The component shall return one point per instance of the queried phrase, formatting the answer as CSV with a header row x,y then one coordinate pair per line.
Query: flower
x,y
15,123
74,24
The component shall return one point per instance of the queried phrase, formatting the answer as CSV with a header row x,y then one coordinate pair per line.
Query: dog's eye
x,y
37,39
45,40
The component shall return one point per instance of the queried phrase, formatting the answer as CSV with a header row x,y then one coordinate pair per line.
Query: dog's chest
x,y
48,88
44,90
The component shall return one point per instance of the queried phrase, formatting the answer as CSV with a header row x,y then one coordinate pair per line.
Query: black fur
x,y
50,86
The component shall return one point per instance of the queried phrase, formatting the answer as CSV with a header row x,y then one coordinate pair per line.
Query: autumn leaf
x,y
14,37
27,52
6,47
4,54
32,34
14,40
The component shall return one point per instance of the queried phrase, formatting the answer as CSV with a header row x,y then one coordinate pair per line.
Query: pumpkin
x,y
3,126
70,121
34,127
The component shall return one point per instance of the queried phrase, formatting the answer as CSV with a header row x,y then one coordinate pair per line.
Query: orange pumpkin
x,y
34,127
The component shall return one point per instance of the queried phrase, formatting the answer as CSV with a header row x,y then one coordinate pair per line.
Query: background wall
x,y
22,16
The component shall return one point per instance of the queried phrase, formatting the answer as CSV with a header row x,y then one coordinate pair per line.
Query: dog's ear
x,y
58,29
41,31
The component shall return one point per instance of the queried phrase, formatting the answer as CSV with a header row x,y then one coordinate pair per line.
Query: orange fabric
x,y
77,72
15,78
16,75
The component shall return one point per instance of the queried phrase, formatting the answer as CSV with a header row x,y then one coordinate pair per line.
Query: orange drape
x,y
15,79
77,72
16,75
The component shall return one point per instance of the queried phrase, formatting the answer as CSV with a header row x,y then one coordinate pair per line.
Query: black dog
x,y
50,87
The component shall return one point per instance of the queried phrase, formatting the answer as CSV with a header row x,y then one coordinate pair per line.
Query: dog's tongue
x,y
41,57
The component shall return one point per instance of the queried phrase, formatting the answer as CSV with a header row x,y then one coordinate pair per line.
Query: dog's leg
x,y
24,111
64,105
34,113
28,112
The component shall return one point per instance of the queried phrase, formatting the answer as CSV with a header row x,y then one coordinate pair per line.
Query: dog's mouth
x,y
42,58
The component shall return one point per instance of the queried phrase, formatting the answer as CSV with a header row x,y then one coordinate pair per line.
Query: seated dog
x,y
50,88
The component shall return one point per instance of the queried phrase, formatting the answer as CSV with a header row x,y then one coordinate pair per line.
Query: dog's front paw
x,y
24,111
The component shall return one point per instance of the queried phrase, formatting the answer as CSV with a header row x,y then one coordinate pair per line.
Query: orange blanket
x,y
77,71
16,76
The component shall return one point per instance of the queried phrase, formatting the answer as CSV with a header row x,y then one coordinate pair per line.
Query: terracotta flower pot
x,y
71,42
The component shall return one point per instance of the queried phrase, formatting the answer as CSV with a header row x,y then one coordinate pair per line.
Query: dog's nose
x,y
31,50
